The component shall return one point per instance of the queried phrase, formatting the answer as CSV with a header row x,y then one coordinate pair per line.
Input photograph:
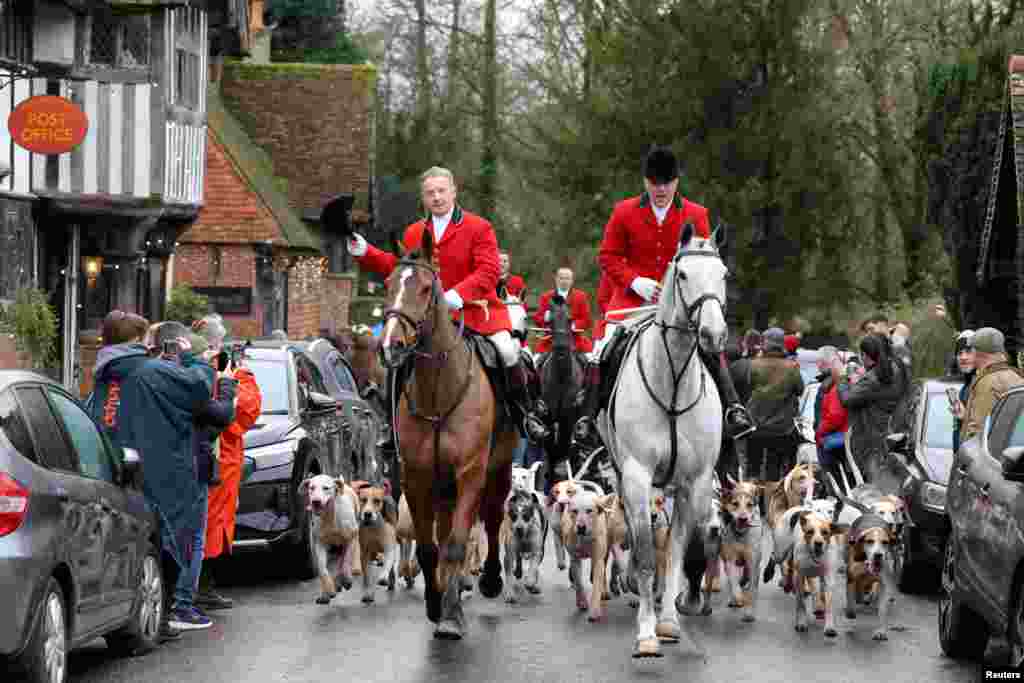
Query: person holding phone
x,y
958,399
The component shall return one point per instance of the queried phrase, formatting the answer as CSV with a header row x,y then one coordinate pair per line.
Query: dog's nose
x,y
367,516
581,530
878,557
819,546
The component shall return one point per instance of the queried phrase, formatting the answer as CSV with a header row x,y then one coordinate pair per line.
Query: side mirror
x,y
317,401
1013,463
896,441
131,465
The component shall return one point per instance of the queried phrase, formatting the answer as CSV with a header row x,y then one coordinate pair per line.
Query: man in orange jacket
x,y
579,311
640,240
469,267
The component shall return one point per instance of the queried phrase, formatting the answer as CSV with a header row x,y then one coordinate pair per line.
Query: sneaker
x,y
189,619
168,633
212,600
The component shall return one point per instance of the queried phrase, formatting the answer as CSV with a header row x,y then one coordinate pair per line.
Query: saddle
x,y
614,351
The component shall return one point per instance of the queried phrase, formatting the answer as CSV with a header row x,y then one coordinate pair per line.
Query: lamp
x,y
93,266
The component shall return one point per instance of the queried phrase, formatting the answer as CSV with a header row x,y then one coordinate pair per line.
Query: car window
x,y
341,372
1007,430
272,379
309,375
13,427
53,448
93,459
938,422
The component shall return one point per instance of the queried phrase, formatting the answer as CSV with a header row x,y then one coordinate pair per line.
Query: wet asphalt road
x,y
277,633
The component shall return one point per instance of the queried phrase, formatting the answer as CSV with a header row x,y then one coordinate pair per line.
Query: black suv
x,y
307,427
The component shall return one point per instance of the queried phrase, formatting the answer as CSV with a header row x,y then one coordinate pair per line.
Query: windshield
x,y
938,422
272,378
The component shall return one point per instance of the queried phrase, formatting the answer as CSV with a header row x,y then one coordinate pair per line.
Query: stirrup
x,y
744,429
535,429
583,429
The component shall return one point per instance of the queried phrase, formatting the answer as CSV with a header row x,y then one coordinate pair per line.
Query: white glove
x,y
454,301
547,316
645,287
357,245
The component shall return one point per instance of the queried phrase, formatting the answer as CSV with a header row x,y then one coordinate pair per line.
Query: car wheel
x,y
300,555
962,633
141,634
45,660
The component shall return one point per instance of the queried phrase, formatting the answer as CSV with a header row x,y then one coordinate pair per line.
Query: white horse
x,y
663,424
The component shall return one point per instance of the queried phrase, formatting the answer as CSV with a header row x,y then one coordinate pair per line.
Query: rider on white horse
x,y
639,242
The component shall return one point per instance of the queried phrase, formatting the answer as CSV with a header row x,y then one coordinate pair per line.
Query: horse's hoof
x,y
831,633
606,596
491,584
647,648
634,603
410,581
880,634
595,617
510,598
706,612
801,628
533,590
850,614
748,618
667,632
562,566
466,584
368,599
383,582
448,630
345,583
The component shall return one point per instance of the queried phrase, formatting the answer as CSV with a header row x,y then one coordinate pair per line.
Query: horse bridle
x,y
692,310
422,329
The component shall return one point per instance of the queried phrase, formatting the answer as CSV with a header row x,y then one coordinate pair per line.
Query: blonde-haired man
x,y
469,266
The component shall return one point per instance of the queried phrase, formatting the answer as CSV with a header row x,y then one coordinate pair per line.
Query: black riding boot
x,y
589,401
738,423
534,411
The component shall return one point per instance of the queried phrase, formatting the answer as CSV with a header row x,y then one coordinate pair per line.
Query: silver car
x,y
78,546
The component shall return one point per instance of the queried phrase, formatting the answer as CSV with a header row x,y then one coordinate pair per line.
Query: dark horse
x,y
561,376
456,466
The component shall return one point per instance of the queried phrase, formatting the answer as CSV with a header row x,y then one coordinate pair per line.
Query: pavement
x,y
276,633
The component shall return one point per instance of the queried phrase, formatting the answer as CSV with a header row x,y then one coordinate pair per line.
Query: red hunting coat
x,y
579,310
467,257
634,245
515,286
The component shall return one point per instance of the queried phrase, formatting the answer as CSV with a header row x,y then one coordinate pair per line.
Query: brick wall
x,y
10,357
304,305
313,120
232,212
336,298
194,266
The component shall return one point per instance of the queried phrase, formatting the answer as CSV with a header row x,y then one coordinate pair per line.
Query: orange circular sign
x,y
46,124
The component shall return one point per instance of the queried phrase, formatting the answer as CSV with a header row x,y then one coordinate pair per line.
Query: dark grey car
x,y
983,571
78,546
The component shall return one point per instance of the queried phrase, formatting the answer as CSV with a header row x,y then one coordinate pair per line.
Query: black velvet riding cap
x,y
661,165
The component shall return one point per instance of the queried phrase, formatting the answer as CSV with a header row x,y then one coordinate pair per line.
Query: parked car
x,y
923,457
310,424
79,548
983,569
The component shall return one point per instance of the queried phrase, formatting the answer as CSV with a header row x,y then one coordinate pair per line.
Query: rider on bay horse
x,y
579,311
640,240
467,260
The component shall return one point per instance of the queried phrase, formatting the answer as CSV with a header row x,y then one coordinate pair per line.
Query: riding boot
x,y
738,423
588,401
534,411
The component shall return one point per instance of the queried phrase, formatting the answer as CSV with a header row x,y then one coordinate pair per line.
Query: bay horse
x,y
664,420
456,463
561,376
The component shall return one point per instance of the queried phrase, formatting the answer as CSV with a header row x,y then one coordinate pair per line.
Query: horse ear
x,y
686,235
720,236
427,245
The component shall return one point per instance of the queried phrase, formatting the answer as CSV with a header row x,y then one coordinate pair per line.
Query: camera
x,y
170,348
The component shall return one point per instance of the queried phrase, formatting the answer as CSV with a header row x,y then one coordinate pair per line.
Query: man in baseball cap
x,y
994,376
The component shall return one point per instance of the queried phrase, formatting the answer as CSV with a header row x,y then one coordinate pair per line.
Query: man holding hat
x,y
993,377
640,240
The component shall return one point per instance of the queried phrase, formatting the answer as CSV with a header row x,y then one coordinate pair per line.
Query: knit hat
x,y
792,343
989,340
774,339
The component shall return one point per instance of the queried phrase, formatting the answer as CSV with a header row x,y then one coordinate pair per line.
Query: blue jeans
x,y
519,455
188,580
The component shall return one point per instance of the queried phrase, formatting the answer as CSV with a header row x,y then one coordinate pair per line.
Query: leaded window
x,y
16,30
119,41
189,48
16,248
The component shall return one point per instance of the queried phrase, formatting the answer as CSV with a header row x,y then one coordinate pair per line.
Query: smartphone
x,y
170,348
953,395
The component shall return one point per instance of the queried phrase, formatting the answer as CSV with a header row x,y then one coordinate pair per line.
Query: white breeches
x,y
508,347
